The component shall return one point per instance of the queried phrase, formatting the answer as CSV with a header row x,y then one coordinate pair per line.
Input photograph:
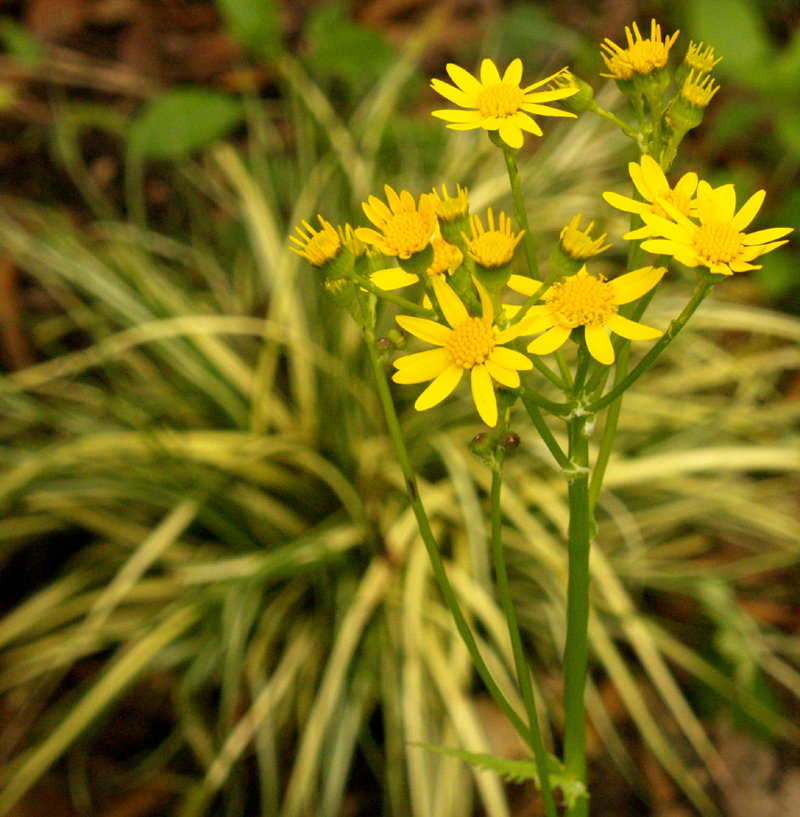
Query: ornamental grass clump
x,y
462,311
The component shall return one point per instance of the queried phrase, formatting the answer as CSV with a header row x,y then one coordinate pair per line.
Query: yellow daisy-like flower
x,y
492,248
641,56
405,228
498,103
589,301
319,247
467,344
578,244
719,241
652,184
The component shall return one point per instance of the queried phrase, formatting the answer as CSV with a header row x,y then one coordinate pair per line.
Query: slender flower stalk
x,y
507,604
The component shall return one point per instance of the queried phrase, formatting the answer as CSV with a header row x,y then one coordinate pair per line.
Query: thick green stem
x,y
439,572
576,653
507,603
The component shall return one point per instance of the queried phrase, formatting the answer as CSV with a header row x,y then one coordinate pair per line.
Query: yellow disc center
x,y
501,99
582,300
493,249
443,256
470,343
718,242
646,56
407,233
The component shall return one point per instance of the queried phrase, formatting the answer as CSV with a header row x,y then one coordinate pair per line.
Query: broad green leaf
x,y
183,121
253,23
518,771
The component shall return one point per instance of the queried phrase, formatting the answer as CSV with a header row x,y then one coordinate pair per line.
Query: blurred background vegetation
x,y
213,599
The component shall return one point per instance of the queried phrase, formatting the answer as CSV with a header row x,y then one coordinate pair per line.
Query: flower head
x,y
641,57
652,184
467,344
447,257
699,59
319,247
591,302
498,103
578,244
698,91
719,241
450,208
405,228
492,248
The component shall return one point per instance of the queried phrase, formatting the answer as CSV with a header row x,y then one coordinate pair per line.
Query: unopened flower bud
x,y
509,441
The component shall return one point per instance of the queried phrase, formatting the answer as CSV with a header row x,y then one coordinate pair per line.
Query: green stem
x,y
507,603
704,286
541,426
576,653
439,572
519,203
615,120
409,306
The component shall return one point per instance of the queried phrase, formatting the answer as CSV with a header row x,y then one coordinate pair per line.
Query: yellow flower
x,y
468,344
578,244
319,247
641,56
451,208
492,248
652,184
405,229
699,59
446,259
498,103
719,241
698,91
589,301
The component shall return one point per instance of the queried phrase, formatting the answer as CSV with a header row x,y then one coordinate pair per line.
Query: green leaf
x,y
182,122
518,771
253,23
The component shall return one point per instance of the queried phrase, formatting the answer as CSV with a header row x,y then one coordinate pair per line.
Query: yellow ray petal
x,y
510,359
489,73
523,284
626,204
634,284
599,344
483,395
462,117
393,278
465,81
524,122
424,329
749,210
393,199
763,236
631,329
513,74
487,310
654,176
454,311
441,387
455,95
551,340
510,133
421,367
505,377
637,177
